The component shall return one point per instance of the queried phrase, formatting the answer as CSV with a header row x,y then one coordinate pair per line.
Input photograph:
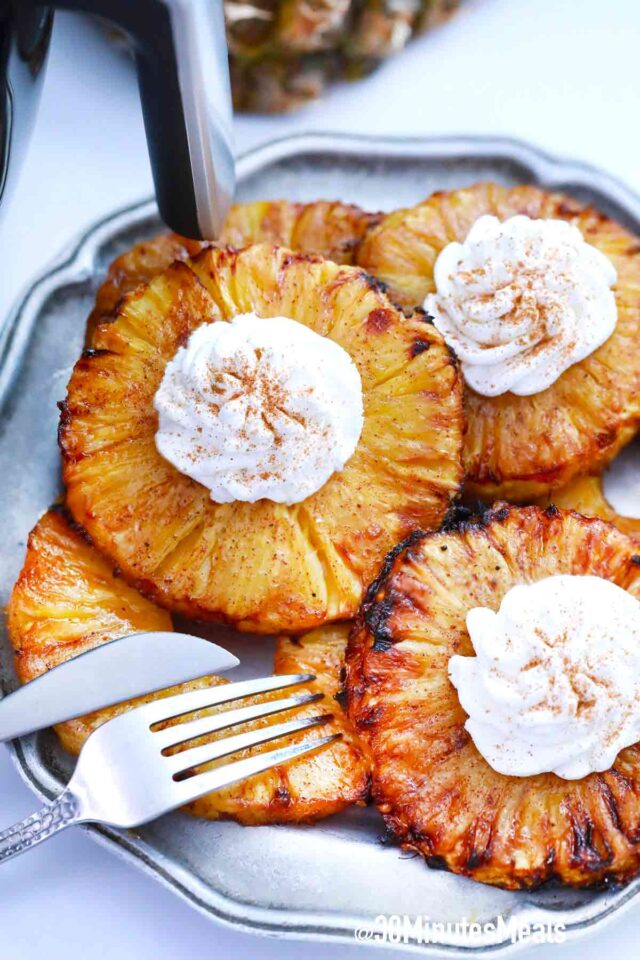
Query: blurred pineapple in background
x,y
283,52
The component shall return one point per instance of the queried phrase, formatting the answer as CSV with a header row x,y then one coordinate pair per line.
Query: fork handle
x,y
53,817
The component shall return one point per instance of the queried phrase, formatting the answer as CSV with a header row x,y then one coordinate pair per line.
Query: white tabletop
x,y
559,73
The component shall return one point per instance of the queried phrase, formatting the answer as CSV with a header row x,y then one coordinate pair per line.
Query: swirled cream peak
x,y
521,301
555,682
259,408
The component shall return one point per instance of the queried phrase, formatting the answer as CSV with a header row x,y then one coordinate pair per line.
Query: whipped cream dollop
x,y
555,683
259,408
521,301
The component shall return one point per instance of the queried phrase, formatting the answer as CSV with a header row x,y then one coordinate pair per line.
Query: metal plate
x,y
312,882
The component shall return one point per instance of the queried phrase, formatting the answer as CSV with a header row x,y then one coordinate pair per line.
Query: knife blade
x,y
124,668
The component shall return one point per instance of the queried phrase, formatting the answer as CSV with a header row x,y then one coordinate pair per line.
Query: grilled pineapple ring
x,y
586,495
519,447
437,793
263,566
313,787
332,229
68,600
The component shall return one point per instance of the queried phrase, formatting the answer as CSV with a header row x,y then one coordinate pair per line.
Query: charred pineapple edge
x,y
372,622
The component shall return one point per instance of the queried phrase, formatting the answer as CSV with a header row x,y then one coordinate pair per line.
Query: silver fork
x,y
128,774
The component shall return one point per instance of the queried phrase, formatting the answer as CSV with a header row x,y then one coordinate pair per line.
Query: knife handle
x,y
55,816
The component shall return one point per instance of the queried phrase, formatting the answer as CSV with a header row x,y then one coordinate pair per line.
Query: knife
x,y
118,670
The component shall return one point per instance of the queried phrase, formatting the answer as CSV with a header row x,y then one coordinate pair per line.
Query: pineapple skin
x,y
68,600
515,447
263,567
437,794
329,228
586,495
285,52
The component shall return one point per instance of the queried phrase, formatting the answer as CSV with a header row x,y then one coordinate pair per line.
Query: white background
x,y
561,73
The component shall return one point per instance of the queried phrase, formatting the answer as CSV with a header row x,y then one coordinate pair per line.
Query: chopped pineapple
x,y
437,793
520,447
262,566
68,600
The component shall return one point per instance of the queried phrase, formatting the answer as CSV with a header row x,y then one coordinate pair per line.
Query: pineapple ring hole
x,y
621,483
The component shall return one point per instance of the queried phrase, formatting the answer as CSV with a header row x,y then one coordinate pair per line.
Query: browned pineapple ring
x,y
332,229
586,495
520,446
436,791
68,599
262,566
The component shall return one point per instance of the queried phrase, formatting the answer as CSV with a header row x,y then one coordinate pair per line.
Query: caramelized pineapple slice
x,y
332,229
68,599
436,792
586,495
519,447
262,566
329,228
315,786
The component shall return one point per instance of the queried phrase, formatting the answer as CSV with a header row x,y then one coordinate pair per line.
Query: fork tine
x,y
170,707
186,760
173,736
184,791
